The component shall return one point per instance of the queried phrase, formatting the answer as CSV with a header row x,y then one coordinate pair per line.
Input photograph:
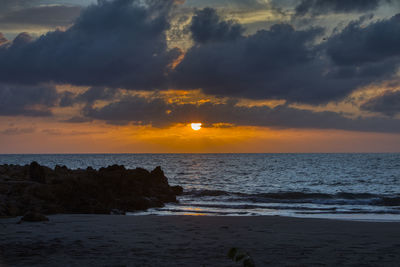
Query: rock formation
x,y
36,188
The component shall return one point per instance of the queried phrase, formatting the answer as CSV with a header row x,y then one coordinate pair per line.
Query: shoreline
x,y
357,217
147,240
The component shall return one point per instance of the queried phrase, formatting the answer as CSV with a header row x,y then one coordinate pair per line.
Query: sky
x,y
262,76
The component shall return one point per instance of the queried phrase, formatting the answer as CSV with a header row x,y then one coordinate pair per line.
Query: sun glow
x,y
196,126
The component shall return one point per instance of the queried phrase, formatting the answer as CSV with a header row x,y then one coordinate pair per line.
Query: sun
x,y
196,126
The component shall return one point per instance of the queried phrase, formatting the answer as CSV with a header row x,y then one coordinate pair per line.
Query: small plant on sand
x,y
241,256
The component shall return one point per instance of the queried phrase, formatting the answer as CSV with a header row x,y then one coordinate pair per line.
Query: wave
x,y
341,198
207,193
251,206
209,212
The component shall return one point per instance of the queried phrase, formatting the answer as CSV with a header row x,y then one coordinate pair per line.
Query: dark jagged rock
x,y
62,190
117,212
177,189
37,173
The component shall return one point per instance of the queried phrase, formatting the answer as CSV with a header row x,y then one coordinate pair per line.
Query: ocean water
x,y
345,186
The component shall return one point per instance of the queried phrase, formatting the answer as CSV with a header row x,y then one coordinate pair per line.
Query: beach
x,y
116,240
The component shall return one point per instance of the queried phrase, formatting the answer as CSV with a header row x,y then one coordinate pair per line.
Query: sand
x,y
105,240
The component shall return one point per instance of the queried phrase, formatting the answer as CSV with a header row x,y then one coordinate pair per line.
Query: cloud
x,y
27,100
279,63
368,53
21,39
78,119
243,4
18,131
360,45
155,111
387,104
68,133
67,99
88,97
3,39
285,63
319,7
131,109
11,5
51,16
117,43
207,26
122,44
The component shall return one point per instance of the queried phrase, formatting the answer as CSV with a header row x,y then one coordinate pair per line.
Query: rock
x,y
17,172
112,168
3,210
39,191
4,186
158,175
3,169
37,173
34,217
117,212
61,169
113,189
12,209
178,190
4,177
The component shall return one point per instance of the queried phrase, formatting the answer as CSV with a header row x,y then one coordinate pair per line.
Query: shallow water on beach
x,y
348,186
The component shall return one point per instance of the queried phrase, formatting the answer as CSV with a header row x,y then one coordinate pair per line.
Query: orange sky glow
x,y
57,137
52,135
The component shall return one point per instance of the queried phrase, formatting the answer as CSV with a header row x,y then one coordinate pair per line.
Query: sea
x,y
336,186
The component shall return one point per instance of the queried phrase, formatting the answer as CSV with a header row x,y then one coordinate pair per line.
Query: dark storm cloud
x,y
67,99
158,113
319,7
21,39
246,4
387,104
41,15
88,97
117,43
277,63
10,5
207,26
27,100
370,53
129,109
358,45
78,119
122,44
97,93
284,63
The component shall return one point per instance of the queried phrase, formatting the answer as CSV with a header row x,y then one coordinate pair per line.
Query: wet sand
x,y
105,240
